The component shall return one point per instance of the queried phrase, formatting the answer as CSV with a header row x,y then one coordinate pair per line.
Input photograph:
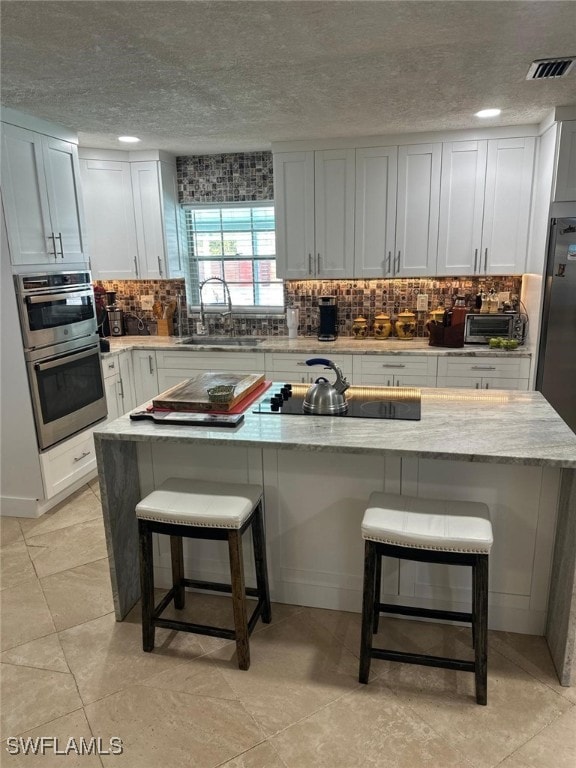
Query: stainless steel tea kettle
x,y
323,398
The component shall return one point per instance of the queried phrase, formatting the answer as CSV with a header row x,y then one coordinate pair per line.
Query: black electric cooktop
x,y
363,402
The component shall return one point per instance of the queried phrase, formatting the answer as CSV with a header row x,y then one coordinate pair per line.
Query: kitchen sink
x,y
218,341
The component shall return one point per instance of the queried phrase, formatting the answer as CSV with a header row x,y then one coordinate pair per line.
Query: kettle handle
x,y
319,361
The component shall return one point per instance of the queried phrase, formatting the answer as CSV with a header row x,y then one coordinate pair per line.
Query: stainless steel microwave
x,y
480,328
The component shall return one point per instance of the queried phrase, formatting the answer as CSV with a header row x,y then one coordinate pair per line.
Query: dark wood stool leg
x,y
481,628
473,607
146,585
239,599
370,557
377,588
177,552
259,542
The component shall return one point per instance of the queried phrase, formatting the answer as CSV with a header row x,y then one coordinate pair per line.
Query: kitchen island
x,y
507,449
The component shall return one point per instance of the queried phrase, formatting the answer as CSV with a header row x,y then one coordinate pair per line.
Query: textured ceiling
x,y
208,76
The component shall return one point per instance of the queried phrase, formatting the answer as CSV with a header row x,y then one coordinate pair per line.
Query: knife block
x,y
165,327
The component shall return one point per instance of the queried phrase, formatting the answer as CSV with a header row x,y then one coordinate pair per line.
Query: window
x,y
234,242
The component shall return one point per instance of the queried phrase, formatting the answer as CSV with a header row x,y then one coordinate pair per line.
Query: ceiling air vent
x,y
548,69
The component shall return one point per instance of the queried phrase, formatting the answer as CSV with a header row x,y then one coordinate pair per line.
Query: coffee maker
x,y
115,315
328,326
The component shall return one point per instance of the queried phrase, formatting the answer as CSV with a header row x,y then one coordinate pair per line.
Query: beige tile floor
x,y
68,669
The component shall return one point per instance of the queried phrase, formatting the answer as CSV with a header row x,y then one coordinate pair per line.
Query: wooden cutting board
x,y
192,394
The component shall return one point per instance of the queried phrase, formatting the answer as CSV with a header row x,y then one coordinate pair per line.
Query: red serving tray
x,y
240,407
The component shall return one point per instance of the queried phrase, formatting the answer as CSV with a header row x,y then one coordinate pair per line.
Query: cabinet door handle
x,y
388,383
393,365
61,246
53,238
397,383
483,368
136,266
150,364
397,269
477,385
475,259
160,266
82,456
389,261
317,264
111,366
487,385
121,389
486,260
309,263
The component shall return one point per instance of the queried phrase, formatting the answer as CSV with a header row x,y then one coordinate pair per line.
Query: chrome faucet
x,y
227,314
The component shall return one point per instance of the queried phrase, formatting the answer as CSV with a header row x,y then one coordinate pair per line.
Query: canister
x,y
382,326
360,328
406,325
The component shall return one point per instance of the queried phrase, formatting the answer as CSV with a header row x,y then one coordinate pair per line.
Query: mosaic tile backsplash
x,y
365,298
227,178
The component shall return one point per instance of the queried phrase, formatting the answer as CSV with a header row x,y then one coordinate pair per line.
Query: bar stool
x,y
430,531
197,509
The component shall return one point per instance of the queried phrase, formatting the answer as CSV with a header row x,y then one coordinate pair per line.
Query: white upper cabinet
x,y
138,201
375,223
485,206
334,174
107,191
507,198
461,207
314,202
414,210
41,196
172,220
565,190
147,210
417,210
294,205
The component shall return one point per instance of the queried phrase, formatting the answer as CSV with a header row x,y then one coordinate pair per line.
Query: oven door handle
x,y
47,297
56,361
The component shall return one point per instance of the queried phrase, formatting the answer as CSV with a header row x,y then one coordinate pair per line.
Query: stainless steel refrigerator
x,y
556,375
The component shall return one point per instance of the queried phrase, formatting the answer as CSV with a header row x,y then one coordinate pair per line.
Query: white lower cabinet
x,y
176,366
118,384
484,372
292,368
145,375
523,521
395,370
126,393
68,463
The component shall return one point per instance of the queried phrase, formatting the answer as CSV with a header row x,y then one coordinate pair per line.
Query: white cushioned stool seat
x,y
200,503
436,524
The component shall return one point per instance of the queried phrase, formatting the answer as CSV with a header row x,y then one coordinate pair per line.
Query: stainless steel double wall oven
x,y
62,352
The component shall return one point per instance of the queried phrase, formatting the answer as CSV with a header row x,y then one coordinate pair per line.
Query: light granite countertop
x,y
311,345
495,426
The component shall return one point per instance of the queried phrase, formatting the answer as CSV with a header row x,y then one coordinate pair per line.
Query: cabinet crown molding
x,y
31,123
134,156
399,139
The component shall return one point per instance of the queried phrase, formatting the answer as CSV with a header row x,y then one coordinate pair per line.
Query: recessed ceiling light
x,y
129,139
488,113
